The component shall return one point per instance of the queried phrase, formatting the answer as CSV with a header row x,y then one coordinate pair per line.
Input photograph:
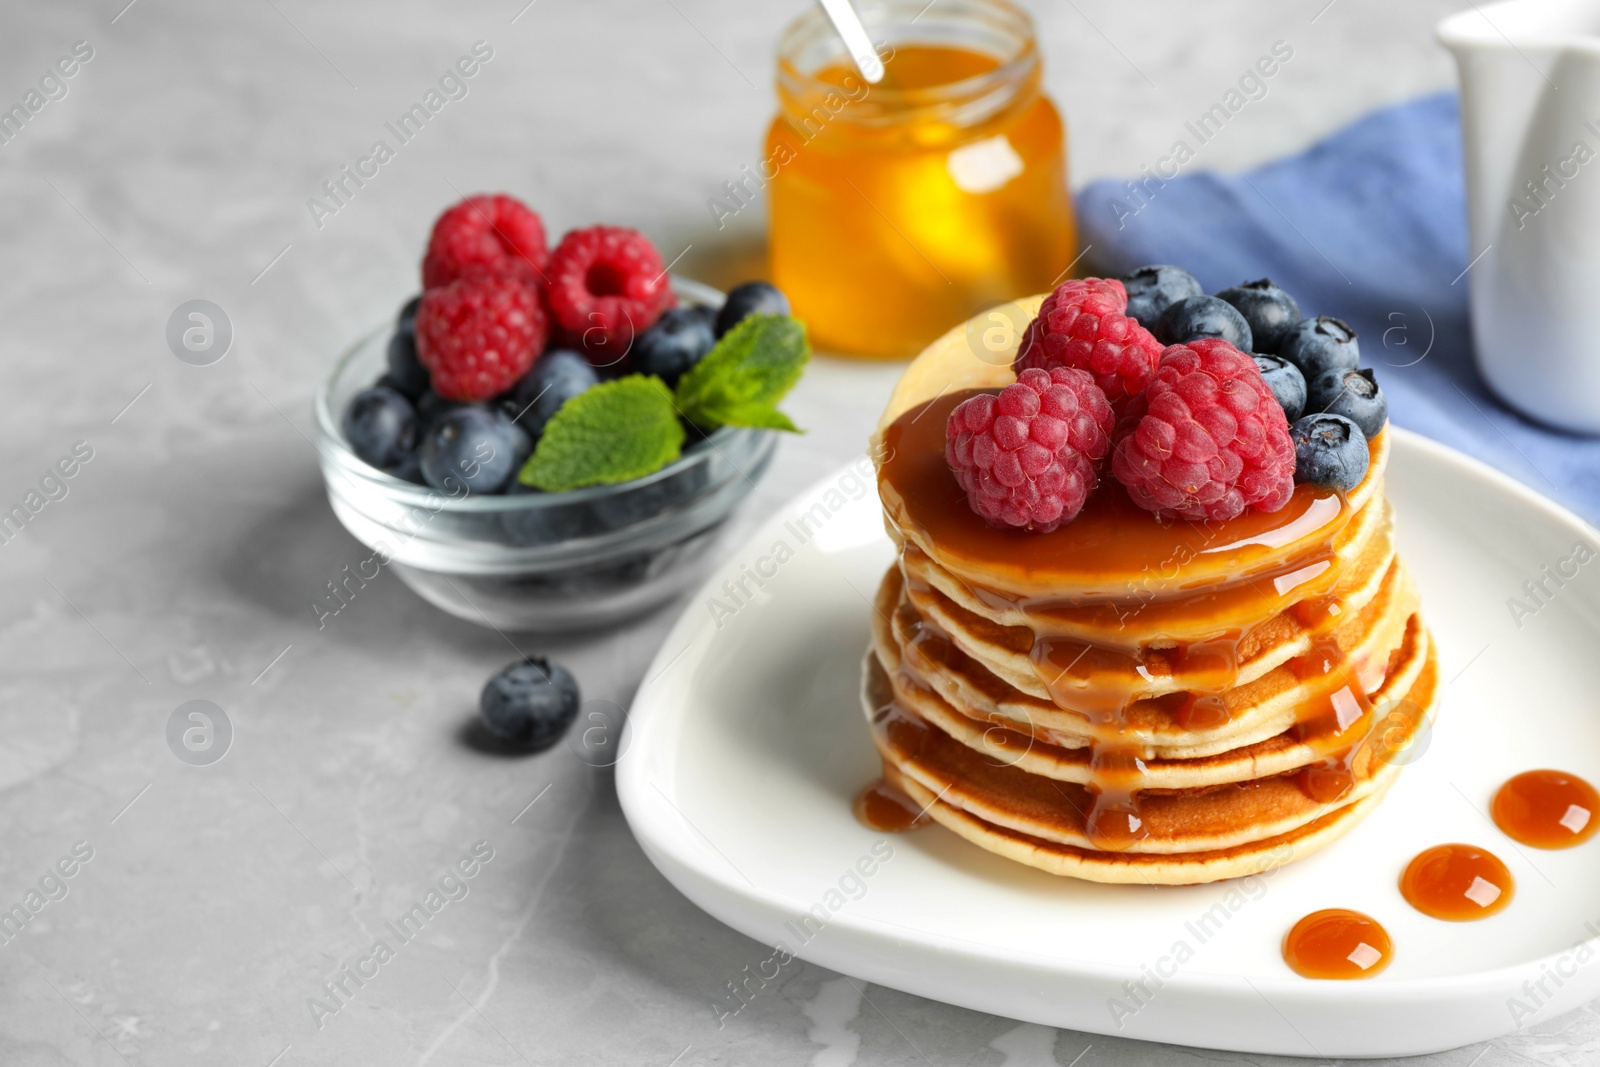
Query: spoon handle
x,y
848,23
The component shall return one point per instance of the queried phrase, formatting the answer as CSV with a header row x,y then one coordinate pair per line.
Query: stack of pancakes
x,y
1126,700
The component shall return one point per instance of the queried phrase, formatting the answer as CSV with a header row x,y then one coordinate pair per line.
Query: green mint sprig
x,y
741,380
614,432
628,428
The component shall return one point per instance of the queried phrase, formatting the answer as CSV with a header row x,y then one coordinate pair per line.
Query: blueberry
x,y
405,370
1287,384
693,435
548,523
430,408
1329,451
556,377
1203,316
678,340
1319,345
476,447
632,504
380,425
408,313
409,469
530,704
1355,394
1153,289
750,298
708,313
1270,311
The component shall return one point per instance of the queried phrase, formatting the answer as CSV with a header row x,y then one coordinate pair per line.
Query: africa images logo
x,y
199,732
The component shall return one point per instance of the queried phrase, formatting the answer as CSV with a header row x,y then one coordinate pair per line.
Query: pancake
x,y
972,675
1298,745
1146,619
1147,868
1157,667
951,363
1129,699
1196,835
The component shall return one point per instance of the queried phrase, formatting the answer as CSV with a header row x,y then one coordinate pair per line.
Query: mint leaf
x,y
614,432
741,380
760,417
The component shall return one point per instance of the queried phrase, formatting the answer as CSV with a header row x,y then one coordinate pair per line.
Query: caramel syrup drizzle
x,y
930,655
1457,882
1337,943
1547,809
1111,537
882,807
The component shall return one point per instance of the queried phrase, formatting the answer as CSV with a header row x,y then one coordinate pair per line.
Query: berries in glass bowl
x,y
522,475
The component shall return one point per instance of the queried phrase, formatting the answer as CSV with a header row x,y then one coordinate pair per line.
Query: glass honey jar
x,y
900,209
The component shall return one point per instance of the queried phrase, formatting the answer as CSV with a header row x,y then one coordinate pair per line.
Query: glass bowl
x,y
539,561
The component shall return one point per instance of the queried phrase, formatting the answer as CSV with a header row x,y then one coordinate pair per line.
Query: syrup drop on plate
x,y
1457,882
880,806
1337,943
1547,809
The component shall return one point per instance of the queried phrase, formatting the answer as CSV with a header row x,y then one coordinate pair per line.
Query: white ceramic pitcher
x,y
1530,118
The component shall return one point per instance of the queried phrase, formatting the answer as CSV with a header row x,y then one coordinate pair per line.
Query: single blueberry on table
x,y
473,447
1287,384
1329,451
1270,311
1153,289
678,340
1319,345
1355,394
530,704
1195,317
555,378
750,298
380,425
410,377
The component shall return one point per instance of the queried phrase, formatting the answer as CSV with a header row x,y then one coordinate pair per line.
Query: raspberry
x,y
480,333
1027,457
487,229
1084,324
1206,439
606,284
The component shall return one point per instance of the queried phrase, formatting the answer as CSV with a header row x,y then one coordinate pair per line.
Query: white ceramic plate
x,y
748,744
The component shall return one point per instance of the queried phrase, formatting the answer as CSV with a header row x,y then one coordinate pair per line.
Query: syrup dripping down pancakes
x,y
1129,700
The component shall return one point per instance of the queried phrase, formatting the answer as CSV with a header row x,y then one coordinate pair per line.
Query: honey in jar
x,y
903,208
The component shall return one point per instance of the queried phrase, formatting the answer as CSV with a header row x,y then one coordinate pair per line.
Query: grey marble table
x,y
182,562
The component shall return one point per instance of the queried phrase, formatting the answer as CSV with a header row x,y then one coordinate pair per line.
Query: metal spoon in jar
x,y
848,23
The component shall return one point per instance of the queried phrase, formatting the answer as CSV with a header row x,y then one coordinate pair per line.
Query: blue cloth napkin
x,y
1369,226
